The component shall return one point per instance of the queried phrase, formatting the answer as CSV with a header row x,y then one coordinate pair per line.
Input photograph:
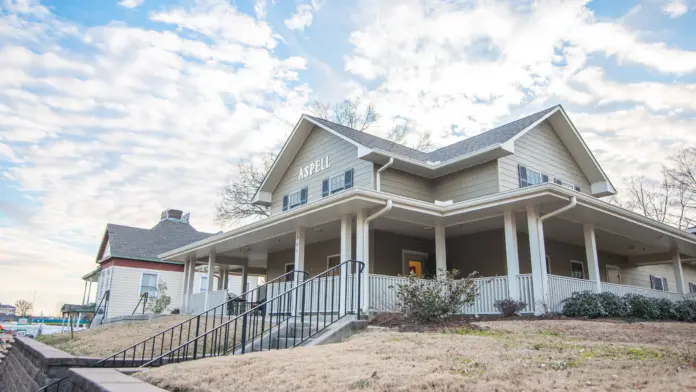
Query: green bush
x,y
591,305
613,305
643,307
583,304
686,310
509,307
438,298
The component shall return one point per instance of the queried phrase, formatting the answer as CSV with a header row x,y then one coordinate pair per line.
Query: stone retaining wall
x,y
29,365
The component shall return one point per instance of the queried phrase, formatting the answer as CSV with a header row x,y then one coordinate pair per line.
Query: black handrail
x,y
145,350
104,301
256,327
143,300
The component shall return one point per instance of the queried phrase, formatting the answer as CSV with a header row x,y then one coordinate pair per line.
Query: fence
x,y
562,287
621,290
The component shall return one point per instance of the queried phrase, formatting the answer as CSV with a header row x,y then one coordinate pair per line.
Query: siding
x,y
235,283
316,255
387,258
478,181
125,289
406,184
640,276
541,149
318,144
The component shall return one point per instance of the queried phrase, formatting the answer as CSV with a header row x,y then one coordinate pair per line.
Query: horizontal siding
x,y
406,184
478,181
319,144
541,149
640,276
125,289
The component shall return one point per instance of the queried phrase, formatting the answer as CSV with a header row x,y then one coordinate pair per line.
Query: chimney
x,y
175,215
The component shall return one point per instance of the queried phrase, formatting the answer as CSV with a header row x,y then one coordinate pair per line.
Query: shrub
x,y
583,304
176,311
509,307
613,305
159,304
686,310
643,307
438,298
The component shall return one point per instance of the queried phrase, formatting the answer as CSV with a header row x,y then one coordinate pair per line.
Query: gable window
x,y
148,284
529,177
566,184
658,283
577,269
294,199
337,183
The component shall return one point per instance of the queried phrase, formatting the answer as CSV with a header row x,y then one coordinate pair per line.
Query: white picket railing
x,y
621,290
562,287
490,290
196,302
383,293
526,292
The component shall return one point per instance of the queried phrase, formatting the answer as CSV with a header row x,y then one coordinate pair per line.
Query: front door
x,y
413,262
613,274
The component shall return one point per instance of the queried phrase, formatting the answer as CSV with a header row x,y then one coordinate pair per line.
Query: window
x,y
333,261
294,199
658,283
289,267
337,183
204,284
529,177
148,284
577,269
692,287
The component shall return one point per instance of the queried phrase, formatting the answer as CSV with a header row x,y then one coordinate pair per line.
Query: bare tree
x,y
682,170
665,201
236,199
349,113
23,307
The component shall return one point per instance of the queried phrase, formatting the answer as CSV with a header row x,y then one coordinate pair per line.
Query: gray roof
x,y
136,243
485,139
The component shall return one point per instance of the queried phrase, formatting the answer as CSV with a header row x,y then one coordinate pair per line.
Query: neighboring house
x,y
129,266
519,204
8,310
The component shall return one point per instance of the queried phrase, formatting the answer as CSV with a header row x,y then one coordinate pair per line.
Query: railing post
x,y
195,342
244,328
302,305
360,268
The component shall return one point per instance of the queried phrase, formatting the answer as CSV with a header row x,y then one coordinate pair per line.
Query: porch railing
x,y
621,290
526,292
489,290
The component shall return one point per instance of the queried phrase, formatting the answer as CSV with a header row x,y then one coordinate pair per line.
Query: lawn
x,y
523,355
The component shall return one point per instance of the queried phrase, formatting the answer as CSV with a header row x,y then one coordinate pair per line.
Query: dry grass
x,y
511,356
108,339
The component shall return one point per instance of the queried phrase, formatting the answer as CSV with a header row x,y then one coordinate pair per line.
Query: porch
x,y
538,245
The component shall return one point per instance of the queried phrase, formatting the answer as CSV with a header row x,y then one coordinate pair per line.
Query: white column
x,y
299,262
245,276
226,277
191,278
89,290
211,276
219,281
362,250
346,255
84,293
537,260
440,248
512,255
591,256
678,272
184,287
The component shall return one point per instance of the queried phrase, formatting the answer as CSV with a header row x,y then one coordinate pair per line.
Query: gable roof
x,y
481,141
145,244
484,147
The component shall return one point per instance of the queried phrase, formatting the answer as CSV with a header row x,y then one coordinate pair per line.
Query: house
x,y
8,310
519,204
128,266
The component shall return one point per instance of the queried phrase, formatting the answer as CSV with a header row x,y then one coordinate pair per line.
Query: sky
x,y
112,111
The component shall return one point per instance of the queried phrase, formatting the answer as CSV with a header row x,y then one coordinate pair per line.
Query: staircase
x,y
193,328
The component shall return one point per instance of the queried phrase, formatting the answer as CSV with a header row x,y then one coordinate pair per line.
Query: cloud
x,y
303,16
675,9
127,123
130,3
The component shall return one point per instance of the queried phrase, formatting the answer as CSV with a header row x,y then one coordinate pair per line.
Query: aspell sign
x,y
314,167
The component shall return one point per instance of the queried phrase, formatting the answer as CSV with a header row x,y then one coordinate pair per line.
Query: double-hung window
x,y
529,177
658,283
295,199
148,284
204,284
337,183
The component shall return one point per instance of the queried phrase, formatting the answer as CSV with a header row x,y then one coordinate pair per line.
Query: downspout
x,y
366,253
378,184
542,245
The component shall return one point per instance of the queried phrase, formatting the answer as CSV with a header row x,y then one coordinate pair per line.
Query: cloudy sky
x,y
111,111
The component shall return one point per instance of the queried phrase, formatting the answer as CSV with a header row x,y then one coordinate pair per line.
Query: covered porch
x,y
537,245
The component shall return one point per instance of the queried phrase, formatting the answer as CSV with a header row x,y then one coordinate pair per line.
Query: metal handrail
x,y
143,299
223,340
105,302
147,346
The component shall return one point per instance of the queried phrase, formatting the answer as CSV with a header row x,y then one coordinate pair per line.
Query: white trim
x,y
200,283
582,265
142,275
533,125
404,252
607,267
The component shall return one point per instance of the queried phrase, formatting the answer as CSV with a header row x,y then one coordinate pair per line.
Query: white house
x,y
520,204
128,266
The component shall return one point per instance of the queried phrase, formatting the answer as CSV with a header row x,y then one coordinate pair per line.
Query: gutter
x,y
379,174
366,232
573,203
